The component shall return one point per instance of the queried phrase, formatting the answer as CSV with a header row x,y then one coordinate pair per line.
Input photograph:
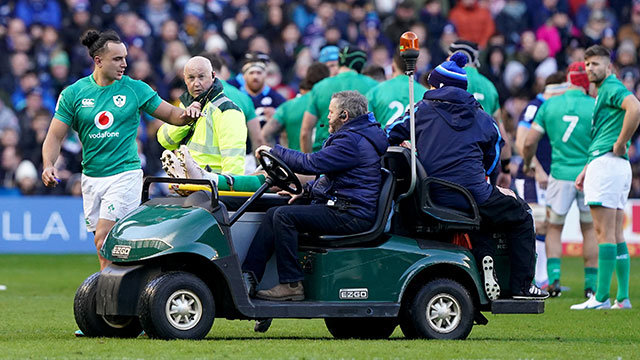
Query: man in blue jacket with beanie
x,y
344,195
459,142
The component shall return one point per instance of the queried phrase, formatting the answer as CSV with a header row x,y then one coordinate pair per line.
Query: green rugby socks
x,y
249,183
553,269
623,268
590,278
606,266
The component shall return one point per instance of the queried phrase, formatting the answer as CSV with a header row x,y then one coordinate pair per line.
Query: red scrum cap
x,y
577,75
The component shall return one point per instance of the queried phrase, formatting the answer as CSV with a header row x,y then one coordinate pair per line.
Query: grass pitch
x,y
36,321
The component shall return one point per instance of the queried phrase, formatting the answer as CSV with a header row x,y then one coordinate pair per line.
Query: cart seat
x,y
398,160
369,237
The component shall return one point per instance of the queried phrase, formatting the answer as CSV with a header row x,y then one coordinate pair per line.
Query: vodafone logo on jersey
x,y
103,120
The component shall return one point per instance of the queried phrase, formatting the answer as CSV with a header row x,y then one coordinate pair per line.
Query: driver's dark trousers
x,y
279,233
505,214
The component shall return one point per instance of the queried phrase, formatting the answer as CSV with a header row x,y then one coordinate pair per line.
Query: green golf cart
x,y
177,265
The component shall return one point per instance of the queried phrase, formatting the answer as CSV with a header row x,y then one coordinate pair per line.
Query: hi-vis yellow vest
x,y
218,140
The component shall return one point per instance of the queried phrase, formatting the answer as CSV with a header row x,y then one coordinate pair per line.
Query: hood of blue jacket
x,y
455,106
367,126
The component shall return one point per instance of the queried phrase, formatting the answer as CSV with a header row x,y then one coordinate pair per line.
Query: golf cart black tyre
x,y
406,325
361,328
157,294
93,325
451,293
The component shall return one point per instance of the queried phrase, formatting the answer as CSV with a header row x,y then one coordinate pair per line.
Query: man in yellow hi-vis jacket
x,y
218,137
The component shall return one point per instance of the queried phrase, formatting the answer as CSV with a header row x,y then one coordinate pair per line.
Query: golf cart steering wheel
x,y
280,173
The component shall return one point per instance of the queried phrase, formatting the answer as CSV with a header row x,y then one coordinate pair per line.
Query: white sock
x,y
541,263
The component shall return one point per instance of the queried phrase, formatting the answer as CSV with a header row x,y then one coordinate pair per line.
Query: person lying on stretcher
x,y
181,165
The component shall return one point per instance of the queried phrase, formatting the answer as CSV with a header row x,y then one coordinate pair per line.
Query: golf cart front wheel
x,y
361,328
177,305
94,325
442,309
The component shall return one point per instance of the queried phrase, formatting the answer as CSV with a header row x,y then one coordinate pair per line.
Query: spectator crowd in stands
x,y
522,42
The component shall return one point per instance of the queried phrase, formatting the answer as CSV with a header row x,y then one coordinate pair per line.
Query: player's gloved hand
x,y
49,177
619,149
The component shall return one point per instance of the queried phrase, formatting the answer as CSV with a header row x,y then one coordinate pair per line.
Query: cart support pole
x,y
409,50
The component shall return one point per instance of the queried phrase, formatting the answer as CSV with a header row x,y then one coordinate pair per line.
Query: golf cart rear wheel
x,y
177,305
94,325
442,309
361,328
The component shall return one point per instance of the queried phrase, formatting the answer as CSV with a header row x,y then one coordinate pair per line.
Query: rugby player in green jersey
x,y
288,116
606,179
389,100
104,109
566,119
351,60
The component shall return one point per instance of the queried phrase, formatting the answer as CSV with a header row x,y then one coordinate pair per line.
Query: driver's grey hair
x,y
354,103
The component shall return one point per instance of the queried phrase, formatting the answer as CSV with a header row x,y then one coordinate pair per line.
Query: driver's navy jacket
x,y
456,141
349,163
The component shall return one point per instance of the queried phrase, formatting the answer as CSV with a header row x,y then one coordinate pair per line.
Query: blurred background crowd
x,y
521,42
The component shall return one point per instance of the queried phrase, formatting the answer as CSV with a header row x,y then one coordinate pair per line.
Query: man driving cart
x,y
344,194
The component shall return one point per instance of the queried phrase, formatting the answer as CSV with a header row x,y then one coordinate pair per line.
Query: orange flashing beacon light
x,y
409,50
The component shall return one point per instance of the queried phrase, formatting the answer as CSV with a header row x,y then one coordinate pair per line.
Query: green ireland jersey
x,y
607,117
241,99
566,119
289,115
483,90
390,99
321,97
106,119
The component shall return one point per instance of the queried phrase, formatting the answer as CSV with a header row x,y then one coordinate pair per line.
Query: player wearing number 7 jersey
x,y
389,100
566,119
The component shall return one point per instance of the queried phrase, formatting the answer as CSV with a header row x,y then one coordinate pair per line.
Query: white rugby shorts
x,y
560,195
110,197
607,181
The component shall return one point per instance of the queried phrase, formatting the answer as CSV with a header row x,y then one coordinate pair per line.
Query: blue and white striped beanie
x,y
450,73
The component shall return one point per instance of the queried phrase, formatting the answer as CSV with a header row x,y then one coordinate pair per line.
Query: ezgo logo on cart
x,y
103,121
121,251
354,294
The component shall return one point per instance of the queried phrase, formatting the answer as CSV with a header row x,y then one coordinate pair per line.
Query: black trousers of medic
x,y
279,233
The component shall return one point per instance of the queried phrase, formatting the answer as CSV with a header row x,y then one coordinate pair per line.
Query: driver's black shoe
x,y
531,292
250,282
262,325
555,289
